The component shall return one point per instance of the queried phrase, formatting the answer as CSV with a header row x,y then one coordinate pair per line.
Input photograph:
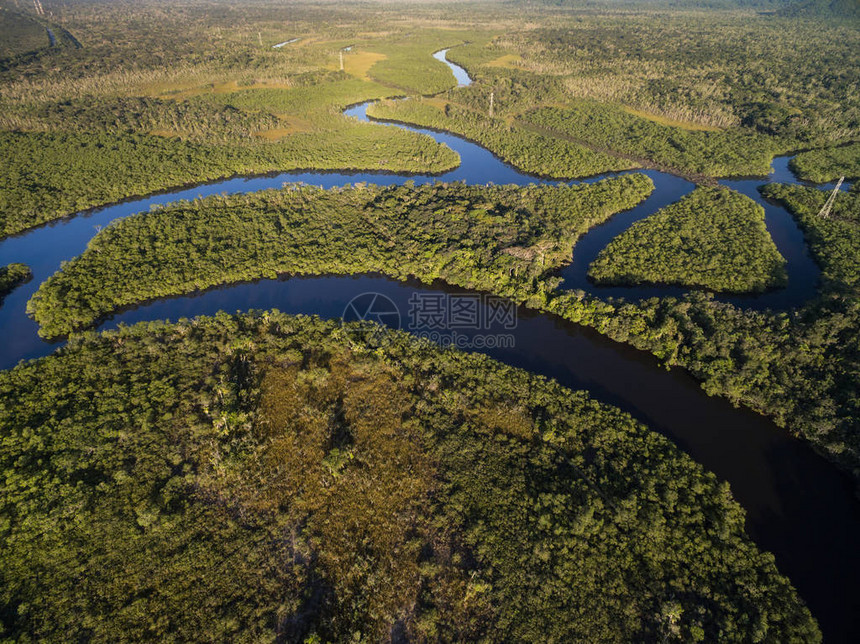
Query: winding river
x,y
799,506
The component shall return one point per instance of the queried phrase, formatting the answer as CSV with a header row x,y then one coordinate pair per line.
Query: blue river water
x,y
799,506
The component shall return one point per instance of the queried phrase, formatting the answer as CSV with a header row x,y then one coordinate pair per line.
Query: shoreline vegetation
x,y
96,123
828,164
261,476
834,241
528,151
408,487
789,366
453,232
714,238
76,152
12,276
71,169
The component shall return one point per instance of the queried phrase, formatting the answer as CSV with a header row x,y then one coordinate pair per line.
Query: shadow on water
x,y
799,506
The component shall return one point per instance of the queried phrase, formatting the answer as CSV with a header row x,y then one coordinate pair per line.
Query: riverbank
x,y
770,474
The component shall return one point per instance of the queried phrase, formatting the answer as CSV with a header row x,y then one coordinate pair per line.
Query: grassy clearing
x,y
167,134
506,61
308,102
291,125
181,91
409,63
664,120
359,63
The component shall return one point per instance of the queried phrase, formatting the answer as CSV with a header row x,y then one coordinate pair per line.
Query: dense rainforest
x,y
502,239
801,368
526,149
271,477
265,477
713,238
828,164
834,240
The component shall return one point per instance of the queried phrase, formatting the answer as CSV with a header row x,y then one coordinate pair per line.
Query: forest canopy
x,y
833,240
11,276
793,367
504,239
828,164
713,238
266,476
578,91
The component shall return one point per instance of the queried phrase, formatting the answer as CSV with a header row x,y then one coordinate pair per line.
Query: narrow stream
x,y
799,506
